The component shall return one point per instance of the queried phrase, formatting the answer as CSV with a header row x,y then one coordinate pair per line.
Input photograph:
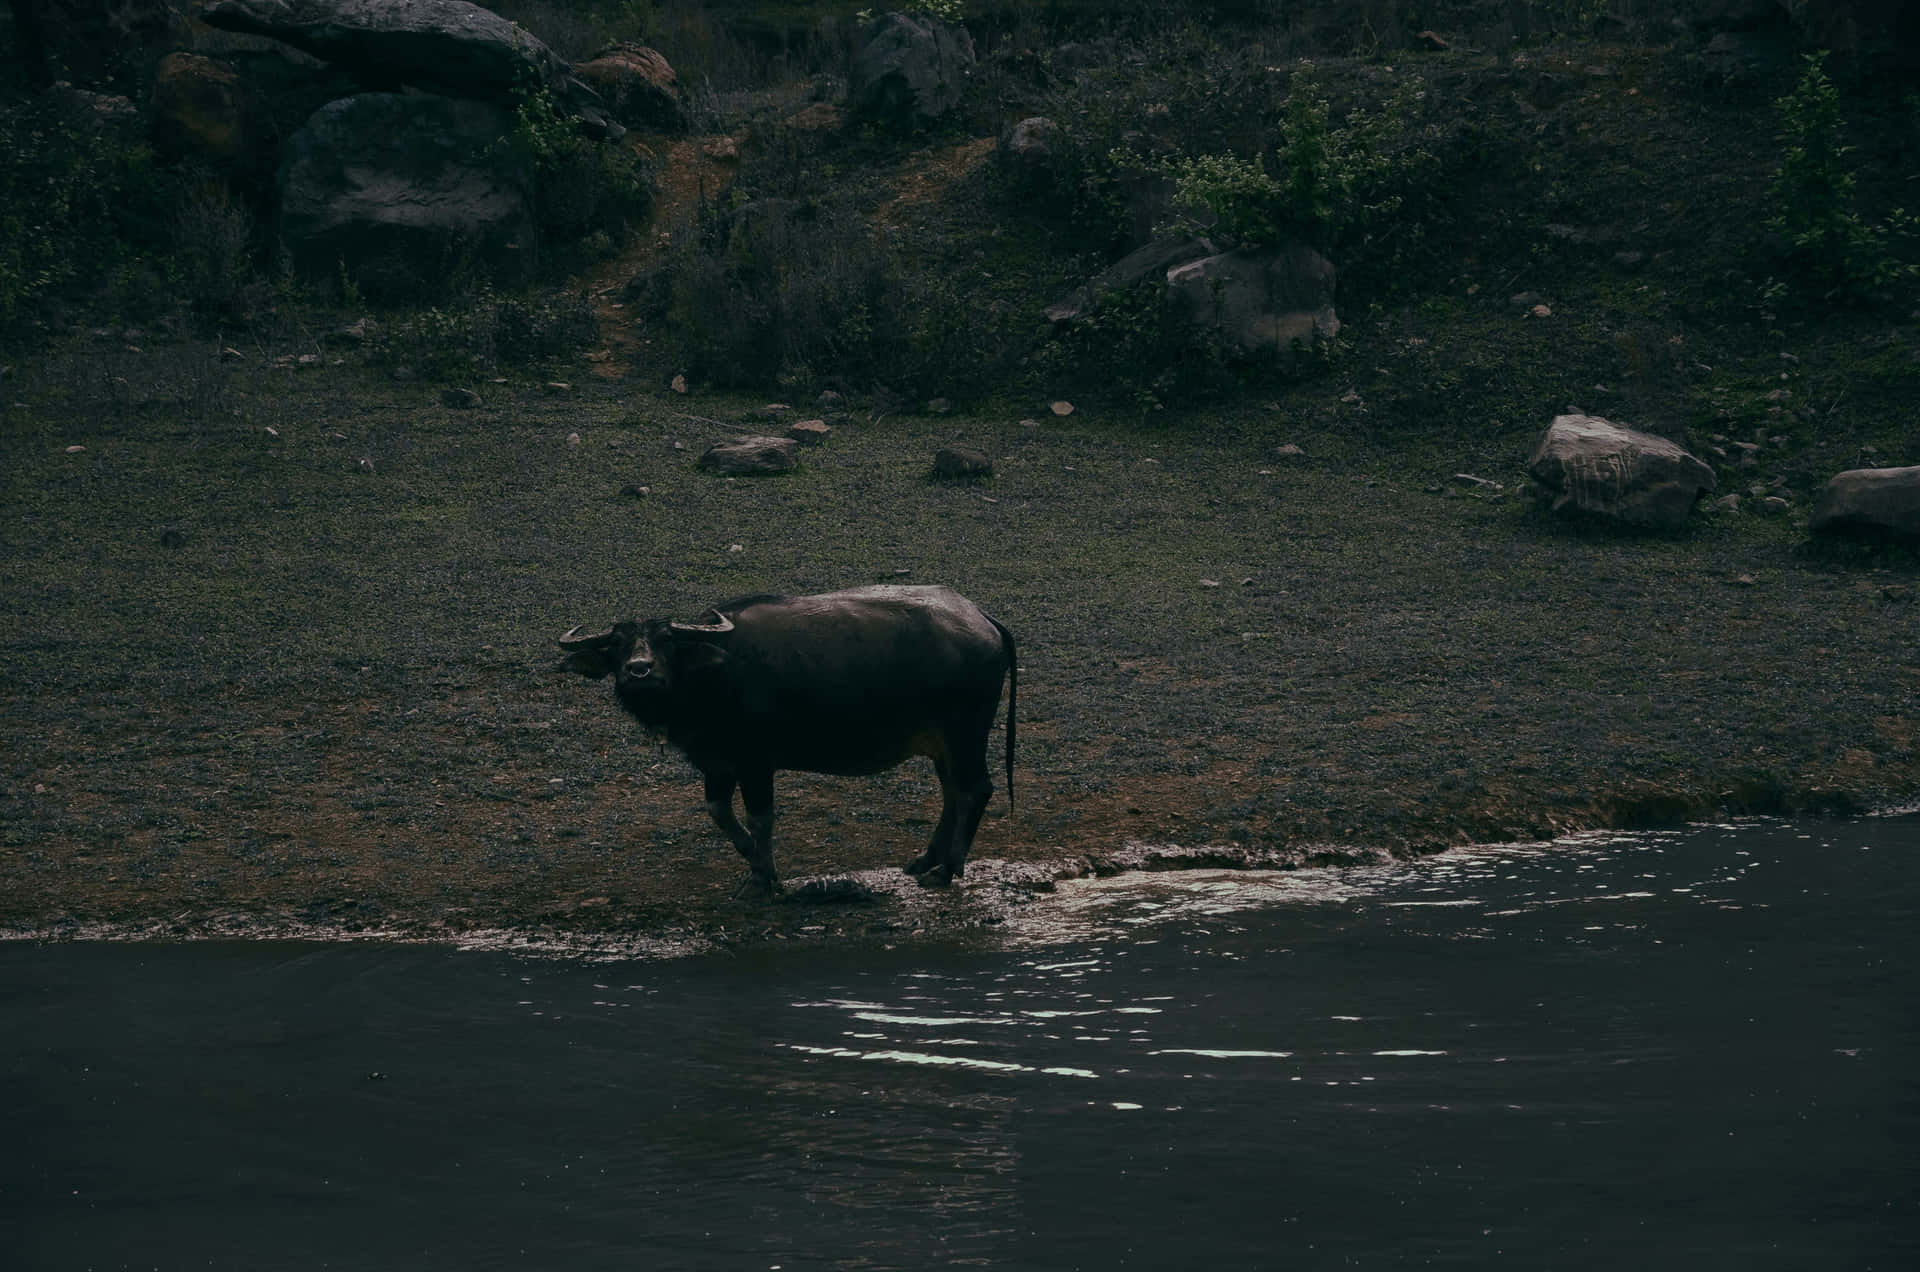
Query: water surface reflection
x,y
1667,1051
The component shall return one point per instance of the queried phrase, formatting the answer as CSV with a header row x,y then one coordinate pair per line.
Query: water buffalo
x,y
848,683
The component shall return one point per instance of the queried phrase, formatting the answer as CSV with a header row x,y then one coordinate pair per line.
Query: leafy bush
x,y
1829,245
485,333
578,187
77,202
212,248
1336,188
771,288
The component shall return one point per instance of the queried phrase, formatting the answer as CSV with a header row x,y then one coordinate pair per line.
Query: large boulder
x,y
638,85
447,46
1027,153
401,183
201,109
1882,501
909,69
1593,465
1263,300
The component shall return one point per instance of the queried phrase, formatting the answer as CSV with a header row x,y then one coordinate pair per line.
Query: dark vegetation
x,y
280,631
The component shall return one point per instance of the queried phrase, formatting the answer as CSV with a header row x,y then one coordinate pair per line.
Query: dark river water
x,y
1686,1051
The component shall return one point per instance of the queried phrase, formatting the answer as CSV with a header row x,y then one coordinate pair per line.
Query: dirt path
x,y
688,169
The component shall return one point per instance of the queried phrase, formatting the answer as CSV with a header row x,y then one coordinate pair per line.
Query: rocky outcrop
x,y
403,178
1592,465
447,46
909,70
1267,300
1873,501
638,86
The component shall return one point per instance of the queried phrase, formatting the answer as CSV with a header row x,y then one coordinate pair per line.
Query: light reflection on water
x,y
1677,1051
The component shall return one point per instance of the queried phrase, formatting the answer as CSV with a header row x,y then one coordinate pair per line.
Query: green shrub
x,y
485,333
1830,247
77,202
578,187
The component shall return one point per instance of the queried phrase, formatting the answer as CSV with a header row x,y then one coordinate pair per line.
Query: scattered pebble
x,y
1061,408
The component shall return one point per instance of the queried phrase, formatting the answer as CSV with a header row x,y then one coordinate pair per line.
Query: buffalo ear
x,y
594,657
695,656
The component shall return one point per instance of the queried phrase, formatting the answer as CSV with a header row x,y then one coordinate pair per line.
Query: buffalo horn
x,y
574,640
706,629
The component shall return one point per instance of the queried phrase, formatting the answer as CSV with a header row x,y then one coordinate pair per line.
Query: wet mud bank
x,y
883,907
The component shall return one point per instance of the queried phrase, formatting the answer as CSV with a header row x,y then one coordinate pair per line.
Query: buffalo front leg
x,y
753,841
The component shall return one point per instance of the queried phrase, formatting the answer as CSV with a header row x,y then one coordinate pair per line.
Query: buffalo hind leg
x,y
965,789
936,853
755,844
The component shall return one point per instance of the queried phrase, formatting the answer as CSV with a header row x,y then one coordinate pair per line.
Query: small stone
x,y
231,354
751,456
559,388
1062,409
636,492
1744,580
1773,505
573,439
736,547
1289,451
1728,503
830,400
366,464
1541,311
272,431
1526,299
307,360
961,463
1432,42
1029,423
75,450
809,432
678,384
1209,582
721,150
459,399
772,411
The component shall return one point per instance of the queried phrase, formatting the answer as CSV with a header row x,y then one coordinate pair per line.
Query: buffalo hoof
x,y
756,885
936,877
919,865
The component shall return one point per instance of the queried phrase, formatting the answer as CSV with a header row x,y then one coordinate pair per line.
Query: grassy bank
x,y
251,674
